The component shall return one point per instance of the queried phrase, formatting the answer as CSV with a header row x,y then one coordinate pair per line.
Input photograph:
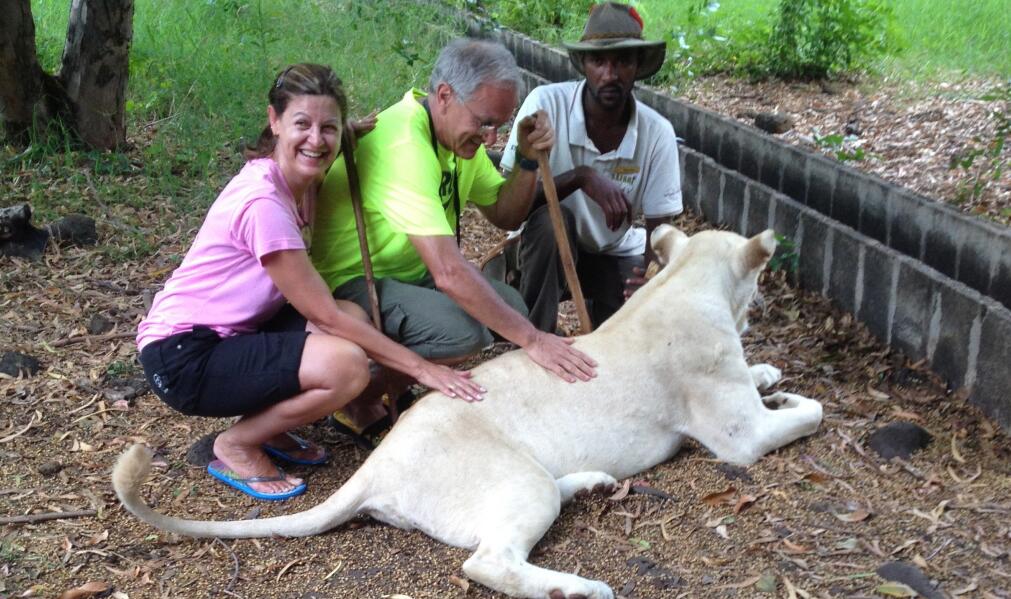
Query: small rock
x,y
99,324
50,468
767,583
641,564
911,576
147,296
120,394
830,88
899,439
853,127
732,472
201,453
774,122
74,229
18,238
15,364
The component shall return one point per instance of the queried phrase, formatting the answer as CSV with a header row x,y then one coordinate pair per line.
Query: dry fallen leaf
x,y
622,492
747,582
744,502
954,451
715,499
335,570
896,589
795,548
972,586
878,395
85,590
460,582
854,516
286,568
817,478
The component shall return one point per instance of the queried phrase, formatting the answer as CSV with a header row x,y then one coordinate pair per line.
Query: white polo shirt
x,y
645,166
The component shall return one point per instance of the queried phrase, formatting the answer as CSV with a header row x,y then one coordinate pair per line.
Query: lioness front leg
x,y
765,375
795,416
584,483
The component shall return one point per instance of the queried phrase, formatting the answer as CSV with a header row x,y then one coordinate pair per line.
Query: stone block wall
x,y
964,335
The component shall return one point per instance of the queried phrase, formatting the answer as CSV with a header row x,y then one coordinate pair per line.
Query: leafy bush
x,y
843,147
548,20
985,158
814,39
706,43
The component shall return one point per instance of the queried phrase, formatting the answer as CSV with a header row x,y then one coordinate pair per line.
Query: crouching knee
x,y
335,364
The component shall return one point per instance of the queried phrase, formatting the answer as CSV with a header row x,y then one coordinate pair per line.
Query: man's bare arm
x,y
516,195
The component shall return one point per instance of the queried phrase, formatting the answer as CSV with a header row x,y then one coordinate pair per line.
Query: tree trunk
x,y
96,65
20,73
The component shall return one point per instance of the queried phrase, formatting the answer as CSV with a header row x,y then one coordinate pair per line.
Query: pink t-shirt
x,y
221,283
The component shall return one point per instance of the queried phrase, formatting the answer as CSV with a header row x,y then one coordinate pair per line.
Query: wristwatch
x,y
527,164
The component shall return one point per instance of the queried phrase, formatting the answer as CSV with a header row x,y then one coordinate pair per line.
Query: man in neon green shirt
x,y
417,169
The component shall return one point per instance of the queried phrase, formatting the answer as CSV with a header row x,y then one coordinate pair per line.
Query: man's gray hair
x,y
465,64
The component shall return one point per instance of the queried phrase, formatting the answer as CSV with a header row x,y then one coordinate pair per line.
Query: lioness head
x,y
722,254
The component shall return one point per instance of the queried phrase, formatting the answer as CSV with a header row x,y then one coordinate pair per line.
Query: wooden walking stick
x,y
562,238
363,242
363,245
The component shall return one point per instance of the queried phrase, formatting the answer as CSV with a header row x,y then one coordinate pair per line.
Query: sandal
x,y
220,471
369,437
288,454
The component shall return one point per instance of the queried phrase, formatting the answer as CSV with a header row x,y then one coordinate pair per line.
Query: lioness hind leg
x,y
765,375
502,569
514,517
584,483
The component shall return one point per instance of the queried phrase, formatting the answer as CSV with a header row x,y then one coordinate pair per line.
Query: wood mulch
x,y
912,135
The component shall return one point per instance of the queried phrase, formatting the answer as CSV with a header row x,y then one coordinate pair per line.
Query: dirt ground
x,y
817,518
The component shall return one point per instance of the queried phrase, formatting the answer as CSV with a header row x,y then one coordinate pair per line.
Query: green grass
x,y
973,38
199,76
940,39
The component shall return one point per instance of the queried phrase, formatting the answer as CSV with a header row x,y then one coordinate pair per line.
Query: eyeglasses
x,y
485,128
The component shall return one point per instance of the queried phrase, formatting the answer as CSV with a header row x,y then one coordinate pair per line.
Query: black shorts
x,y
201,374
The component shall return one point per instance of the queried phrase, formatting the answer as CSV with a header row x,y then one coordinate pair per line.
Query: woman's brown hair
x,y
297,80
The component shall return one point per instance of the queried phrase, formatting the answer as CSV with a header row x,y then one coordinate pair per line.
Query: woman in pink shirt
x,y
229,335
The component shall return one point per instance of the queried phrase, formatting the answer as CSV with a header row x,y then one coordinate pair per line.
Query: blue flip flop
x,y
220,471
303,444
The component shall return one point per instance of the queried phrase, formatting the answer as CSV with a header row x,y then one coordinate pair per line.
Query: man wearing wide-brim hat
x,y
614,159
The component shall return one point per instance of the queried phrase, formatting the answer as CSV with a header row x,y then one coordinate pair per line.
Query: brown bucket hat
x,y
614,26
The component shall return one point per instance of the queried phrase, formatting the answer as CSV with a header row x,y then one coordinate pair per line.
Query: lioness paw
x,y
581,484
597,590
765,375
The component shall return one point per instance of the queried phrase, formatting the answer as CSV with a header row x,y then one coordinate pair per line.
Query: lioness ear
x,y
667,242
758,250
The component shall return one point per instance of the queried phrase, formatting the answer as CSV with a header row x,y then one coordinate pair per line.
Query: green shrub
x,y
705,42
984,158
814,39
548,20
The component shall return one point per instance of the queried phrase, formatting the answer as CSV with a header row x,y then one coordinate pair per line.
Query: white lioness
x,y
496,472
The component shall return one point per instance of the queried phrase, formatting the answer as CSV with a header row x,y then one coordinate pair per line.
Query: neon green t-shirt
x,y
407,189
